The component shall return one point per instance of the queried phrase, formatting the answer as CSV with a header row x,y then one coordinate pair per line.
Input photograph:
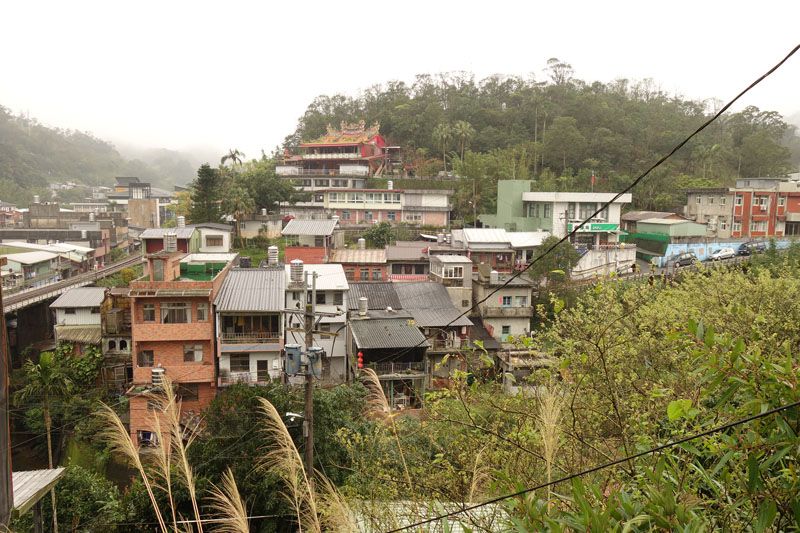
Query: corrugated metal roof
x,y
430,304
309,227
158,233
486,235
386,333
407,251
527,239
252,289
30,485
30,258
331,276
81,297
448,258
79,334
635,216
379,295
357,256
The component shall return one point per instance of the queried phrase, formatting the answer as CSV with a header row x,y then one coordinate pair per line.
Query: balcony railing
x,y
245,377
252,337
505,312
396,368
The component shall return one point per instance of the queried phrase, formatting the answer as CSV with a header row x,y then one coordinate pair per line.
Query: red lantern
x,y
360,355
360,365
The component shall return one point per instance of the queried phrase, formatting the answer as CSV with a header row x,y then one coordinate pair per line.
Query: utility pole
x,y
6,489
308,423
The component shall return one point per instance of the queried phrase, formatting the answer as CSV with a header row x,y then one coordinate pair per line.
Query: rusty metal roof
x,y
252,289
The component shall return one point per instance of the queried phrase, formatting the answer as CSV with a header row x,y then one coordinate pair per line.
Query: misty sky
x,y
184,75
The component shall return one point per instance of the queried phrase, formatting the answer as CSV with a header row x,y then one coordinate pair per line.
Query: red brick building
x,y
361,265
173,332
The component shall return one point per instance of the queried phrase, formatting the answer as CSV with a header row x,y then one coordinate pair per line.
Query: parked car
x,y
685,259
287,218
752,247
722,253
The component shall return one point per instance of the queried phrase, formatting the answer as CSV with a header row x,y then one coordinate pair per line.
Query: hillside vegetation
x,y
33,155
558,130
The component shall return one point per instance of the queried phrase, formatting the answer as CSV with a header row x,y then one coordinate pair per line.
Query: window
x,y
145,358
710,200
411,217
192,353
338,183
95,310
521,301
324,327
149,313
390,215
333,197
319,197
603,214
760,226
363,274
320,298
698,199
213,240
739,200
295,295
350,274
723,225
338,298
506,300
319,241
755,200
376,274
112,345
189,392
367,215
587,210
506,330
345,215
69,311
240,362
737,226
464,303
321,183
533,210
781,201
158,270
546,211
175,313
202,312
571,210
123,345
723,200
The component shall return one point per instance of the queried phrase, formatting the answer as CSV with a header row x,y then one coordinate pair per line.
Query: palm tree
x,y
464,131
234,156
441,134
239,202
46,379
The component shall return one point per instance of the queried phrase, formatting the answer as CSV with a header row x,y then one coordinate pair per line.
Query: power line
x,y
605,465
615,198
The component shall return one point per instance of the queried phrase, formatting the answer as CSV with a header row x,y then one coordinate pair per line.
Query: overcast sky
x,y
220,75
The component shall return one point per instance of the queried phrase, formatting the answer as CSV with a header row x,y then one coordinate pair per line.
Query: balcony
x,y
261,376
440,345
506,312
251,337
389,369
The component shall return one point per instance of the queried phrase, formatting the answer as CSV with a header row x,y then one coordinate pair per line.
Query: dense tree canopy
x,y
561,127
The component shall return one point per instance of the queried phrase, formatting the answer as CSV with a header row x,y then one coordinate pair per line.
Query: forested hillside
x,y
33,155
559,129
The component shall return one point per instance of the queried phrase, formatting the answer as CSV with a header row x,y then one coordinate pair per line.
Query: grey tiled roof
x,y
252,289
430,304
380,295
387,333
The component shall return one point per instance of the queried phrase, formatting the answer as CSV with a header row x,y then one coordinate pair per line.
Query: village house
x,y
361,264
311,241
249,324
115,319
407,261
77,319
173,331
508,311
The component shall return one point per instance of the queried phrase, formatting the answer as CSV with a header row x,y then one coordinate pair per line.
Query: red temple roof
x,y
348,134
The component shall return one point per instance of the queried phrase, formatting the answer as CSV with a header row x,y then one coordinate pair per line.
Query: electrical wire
x,y
605,465
608,203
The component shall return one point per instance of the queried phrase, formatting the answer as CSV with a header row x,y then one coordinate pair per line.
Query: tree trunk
x,y
47,423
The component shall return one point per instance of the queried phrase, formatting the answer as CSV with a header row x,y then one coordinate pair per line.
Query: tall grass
x,y
548,422
378,404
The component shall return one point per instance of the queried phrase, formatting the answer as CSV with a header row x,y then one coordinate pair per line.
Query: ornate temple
x,y
351,150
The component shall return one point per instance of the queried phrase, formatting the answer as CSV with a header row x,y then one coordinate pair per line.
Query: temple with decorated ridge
x,y
354,150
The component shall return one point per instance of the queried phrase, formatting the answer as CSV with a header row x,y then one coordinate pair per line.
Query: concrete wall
x,y
604,261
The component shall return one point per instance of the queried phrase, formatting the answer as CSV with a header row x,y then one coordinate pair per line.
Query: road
x,y
18,300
